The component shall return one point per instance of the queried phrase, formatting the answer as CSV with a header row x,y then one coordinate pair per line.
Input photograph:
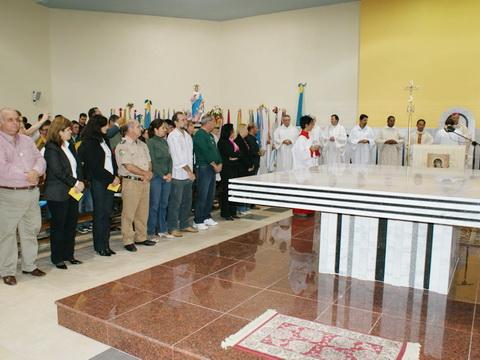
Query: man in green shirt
x,y
208,163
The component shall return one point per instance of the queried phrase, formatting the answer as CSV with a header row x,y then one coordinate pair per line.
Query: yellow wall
x,y
436,43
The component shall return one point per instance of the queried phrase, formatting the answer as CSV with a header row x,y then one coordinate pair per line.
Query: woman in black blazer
x,y
100,170
64,172
230,154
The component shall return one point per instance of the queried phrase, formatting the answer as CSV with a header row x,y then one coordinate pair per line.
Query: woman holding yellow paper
x,y
101,171
63,187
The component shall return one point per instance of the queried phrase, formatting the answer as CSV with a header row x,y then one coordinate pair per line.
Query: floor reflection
x,y
222,287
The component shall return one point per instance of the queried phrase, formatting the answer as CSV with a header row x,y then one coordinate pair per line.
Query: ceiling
x,y
217,10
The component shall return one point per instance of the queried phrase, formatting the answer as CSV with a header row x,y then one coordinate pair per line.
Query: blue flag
x,y
148,113
301,88
259,127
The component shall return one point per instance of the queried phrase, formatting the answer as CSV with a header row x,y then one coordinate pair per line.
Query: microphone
x,y
451,129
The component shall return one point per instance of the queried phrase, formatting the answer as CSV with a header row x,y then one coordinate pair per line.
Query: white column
x,y
364,252
443,258
405,253
328,243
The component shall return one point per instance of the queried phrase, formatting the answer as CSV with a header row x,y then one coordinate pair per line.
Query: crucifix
x,y
410,110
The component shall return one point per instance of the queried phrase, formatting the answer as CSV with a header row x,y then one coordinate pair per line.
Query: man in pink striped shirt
x,y
21,166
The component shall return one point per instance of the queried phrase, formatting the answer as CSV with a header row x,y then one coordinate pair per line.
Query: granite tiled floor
x,y
184,308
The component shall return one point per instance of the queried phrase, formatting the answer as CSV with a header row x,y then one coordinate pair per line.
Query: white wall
x,y
111,59
265,57
107,60
24,56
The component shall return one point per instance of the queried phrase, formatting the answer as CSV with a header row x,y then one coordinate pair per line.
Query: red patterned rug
x,y
277,336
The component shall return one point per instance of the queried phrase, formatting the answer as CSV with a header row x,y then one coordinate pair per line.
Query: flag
x,y
301,88
239,118
258,123
148,113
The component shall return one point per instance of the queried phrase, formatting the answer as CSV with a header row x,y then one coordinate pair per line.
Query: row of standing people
x,y
156,183
334,146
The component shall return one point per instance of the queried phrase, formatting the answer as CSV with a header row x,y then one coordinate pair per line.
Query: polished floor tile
x,y
232,250
166,320
91,326
311,285
349,318
161,280
200,263
283,303
184,308
109,300
207,341
214,293
437,342
254,274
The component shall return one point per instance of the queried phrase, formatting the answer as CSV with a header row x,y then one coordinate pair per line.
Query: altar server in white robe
x,y
362,143
284,137
335,139
390,144
444,137
305,152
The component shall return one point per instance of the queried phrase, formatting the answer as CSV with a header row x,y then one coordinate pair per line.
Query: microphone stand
x,y
451,129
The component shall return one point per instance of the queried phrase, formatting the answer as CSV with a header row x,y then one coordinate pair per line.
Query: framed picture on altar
x,y
441,161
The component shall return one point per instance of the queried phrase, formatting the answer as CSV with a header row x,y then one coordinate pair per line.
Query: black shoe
x,y
74,261
103,253
145,242
229,218
131,247
111,252
61,266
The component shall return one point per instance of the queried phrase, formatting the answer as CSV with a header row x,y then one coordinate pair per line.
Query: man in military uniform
x,y
135,167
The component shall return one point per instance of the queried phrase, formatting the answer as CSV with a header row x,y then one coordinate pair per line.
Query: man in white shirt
x,y
362,142
390,144
180,201
284,137
335,142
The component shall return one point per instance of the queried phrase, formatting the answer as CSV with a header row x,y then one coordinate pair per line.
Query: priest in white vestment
x,y
444,137
420,136
362,143
390,144
284,137
304,152
335,141
460,128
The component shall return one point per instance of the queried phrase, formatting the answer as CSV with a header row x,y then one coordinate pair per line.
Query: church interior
x,y
348,228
